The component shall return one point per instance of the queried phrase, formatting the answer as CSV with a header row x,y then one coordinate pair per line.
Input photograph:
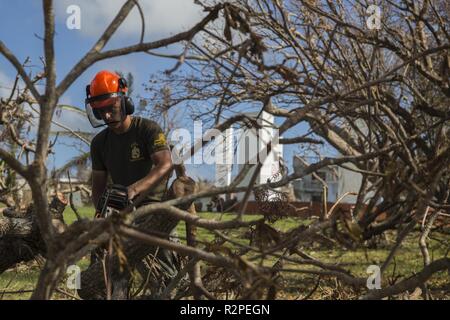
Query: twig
x,y
401,236
141,13
313,289
423,238
337,203
18,291
67,294
71,198
173,283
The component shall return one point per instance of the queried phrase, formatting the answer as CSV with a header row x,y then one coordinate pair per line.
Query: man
x,y
131,151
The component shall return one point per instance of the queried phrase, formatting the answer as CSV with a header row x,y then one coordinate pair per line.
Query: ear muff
x,y
123,83
128,102
129,105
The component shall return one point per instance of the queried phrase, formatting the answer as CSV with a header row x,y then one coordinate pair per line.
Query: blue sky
x,y
24,23
22,28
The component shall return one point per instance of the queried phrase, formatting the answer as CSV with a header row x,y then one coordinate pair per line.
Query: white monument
x,y
224,159
251,144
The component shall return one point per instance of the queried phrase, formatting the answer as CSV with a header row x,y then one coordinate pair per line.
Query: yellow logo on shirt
x,y
136,152
160,140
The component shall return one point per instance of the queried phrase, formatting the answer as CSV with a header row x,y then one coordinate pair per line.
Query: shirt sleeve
x,y
96,156
155,138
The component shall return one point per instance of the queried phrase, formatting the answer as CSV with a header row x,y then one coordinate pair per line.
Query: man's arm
x,y
162,166
99,179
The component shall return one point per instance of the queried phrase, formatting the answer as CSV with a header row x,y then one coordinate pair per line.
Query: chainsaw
x,y
113,200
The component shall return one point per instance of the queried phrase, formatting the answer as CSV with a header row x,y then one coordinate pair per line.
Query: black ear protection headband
x,y
126,102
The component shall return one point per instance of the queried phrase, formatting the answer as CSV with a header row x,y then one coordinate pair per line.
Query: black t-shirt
x,y
127,156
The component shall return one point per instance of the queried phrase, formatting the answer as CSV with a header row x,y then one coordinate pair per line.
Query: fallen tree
x,y
20,238
21,241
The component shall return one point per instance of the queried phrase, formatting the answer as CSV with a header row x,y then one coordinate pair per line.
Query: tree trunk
x,y
20,239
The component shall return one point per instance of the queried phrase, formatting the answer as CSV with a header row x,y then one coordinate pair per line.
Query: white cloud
x,y
162,17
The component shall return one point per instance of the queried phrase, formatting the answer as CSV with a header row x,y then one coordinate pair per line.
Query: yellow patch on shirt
x,y
160,140
136,153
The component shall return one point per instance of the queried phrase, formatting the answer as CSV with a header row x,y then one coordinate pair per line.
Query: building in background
x,y
243,146
339,182
80,190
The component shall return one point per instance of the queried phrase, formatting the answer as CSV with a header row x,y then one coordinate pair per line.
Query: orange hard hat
x,y
106,82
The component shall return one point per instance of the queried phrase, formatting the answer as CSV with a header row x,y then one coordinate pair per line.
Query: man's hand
x,y
131,190
162,165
